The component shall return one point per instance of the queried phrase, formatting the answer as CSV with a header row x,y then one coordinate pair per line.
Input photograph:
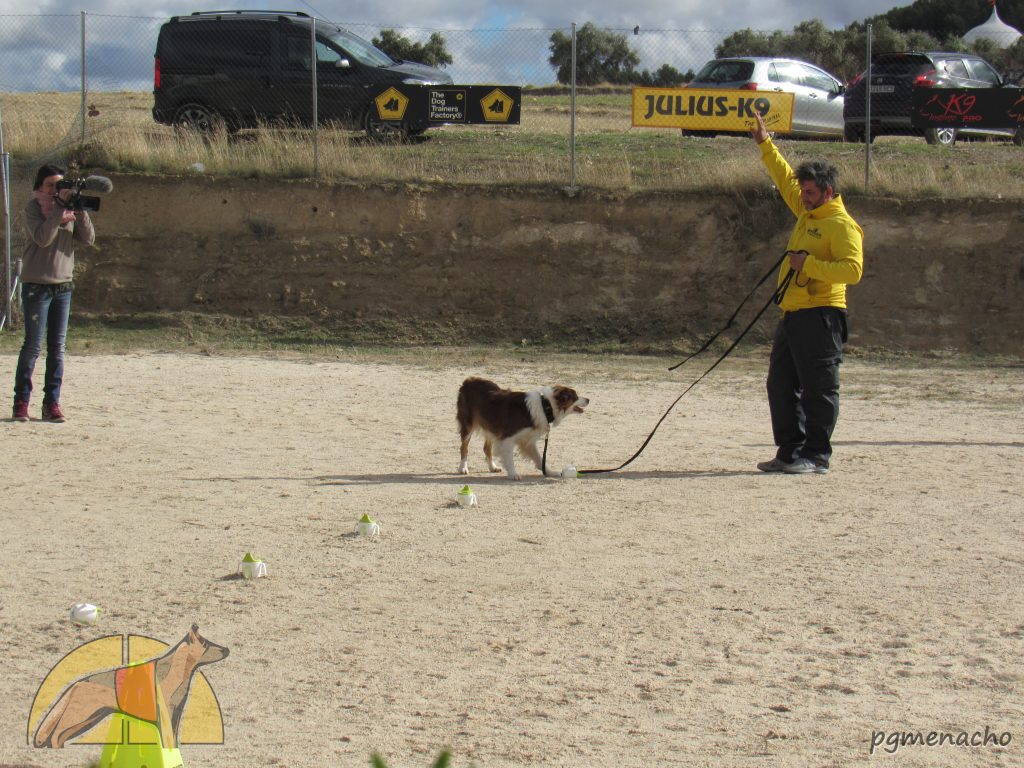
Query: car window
x,y
815,78
788,72
956,68
725,71
325,54
899,65
249,48
296,52
982,71
359,49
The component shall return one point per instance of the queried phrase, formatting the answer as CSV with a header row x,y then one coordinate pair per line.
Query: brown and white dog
x,y
511,420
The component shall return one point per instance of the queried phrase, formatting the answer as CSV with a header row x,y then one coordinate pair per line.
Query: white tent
x,y
995,29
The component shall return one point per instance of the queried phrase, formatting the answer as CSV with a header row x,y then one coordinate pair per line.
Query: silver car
x,y
817,95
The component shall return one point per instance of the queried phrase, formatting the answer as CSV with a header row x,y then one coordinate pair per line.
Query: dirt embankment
x,y
533,263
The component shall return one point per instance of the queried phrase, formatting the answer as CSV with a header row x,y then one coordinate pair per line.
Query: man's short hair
x,y
823,174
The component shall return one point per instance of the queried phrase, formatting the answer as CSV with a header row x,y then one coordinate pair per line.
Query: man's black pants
x,y
803,382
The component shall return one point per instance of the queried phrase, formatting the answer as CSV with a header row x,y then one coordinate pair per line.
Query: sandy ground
x,y
686,611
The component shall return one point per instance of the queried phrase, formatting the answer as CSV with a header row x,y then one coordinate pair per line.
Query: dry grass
x,y
121,136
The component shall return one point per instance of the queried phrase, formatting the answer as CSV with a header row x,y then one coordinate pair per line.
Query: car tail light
x,y
156,74
748,87
857,79
926,80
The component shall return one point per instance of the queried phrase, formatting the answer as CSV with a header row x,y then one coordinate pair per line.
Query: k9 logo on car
x,y
968,107
706,109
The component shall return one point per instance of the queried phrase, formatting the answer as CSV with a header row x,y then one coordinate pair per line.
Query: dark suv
x,y
894,76
237,69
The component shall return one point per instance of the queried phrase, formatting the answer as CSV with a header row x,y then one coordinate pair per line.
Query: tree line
x,y
605,56
843,52
434,52
602,56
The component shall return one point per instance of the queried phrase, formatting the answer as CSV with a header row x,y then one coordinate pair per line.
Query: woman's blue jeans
x,y
47,308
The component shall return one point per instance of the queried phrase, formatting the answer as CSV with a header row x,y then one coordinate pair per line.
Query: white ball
x,y
569,473
85,614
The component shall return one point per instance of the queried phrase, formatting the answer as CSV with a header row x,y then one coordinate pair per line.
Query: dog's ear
x,y
565,397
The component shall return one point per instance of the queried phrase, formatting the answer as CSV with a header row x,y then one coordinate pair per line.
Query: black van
x,y
238,69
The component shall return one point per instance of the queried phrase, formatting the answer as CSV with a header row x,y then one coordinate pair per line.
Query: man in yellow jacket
x,y
825,254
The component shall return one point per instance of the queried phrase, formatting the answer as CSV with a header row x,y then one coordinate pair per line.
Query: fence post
x,y
82,67
867,115
9,287
572,116
316,102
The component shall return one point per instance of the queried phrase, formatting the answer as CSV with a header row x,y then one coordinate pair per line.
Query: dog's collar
x,y
549,412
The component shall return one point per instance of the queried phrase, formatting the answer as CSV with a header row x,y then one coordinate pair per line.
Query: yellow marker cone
x,y
133,743
367,526
465,497
252,567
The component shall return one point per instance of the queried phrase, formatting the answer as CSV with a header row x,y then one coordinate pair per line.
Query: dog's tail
x,y
463,411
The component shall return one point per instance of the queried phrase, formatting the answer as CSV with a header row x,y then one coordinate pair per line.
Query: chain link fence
x,y
619,109
79,90
81,87
71,80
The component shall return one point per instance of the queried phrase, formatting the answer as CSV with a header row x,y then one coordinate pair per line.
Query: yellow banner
x,y
702,109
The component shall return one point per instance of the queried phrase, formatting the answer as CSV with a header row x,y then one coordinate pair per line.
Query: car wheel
x,y
853,135
198,118
943,136
380,130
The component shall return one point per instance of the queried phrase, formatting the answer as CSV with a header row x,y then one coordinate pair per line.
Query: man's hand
x,y
797,259
759,133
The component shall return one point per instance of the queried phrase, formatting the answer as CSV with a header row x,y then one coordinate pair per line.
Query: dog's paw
x,y
494,468
463,470
514,476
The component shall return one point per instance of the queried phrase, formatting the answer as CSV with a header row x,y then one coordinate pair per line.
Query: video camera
x,y
78,201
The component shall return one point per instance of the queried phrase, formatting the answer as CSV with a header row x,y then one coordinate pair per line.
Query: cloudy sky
x,y
39,41
471,14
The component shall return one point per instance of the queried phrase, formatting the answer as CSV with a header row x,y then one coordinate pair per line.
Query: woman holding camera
x,y
47,267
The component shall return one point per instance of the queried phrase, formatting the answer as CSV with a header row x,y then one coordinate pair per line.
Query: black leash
x,y
776,298
729,322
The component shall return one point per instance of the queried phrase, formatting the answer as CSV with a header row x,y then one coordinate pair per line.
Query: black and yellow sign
x,y
447,105
391,104
497,106
459,104
982,108
699,109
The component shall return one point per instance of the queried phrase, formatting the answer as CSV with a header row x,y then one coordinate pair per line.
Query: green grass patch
x,y
610,154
